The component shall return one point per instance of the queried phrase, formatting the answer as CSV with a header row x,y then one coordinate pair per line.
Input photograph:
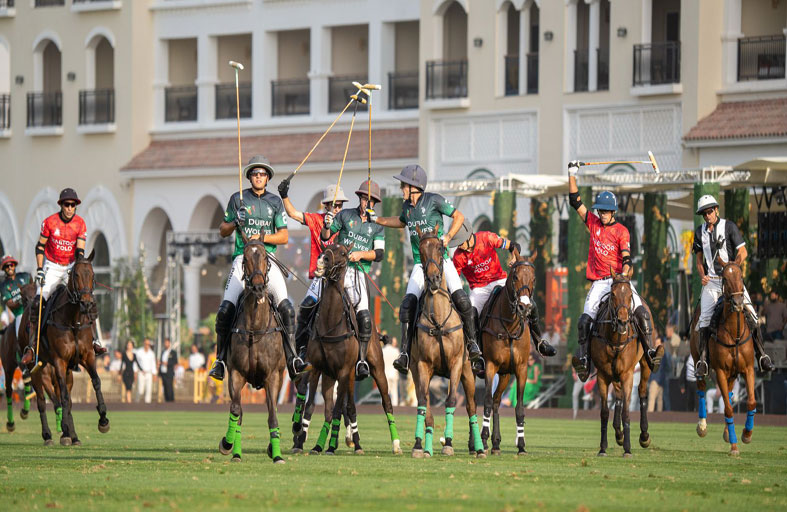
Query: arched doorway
x,y
102,271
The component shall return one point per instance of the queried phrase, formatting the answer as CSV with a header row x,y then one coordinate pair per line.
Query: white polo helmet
x,y
705,202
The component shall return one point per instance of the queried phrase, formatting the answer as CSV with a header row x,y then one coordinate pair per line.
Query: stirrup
x,y
361,370
701,368
402,363
218,370
296,367
580,364
28,349
766,365
478,367
545,349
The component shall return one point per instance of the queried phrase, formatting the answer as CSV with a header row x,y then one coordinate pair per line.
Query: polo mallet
x,y
359,98
38,335
378,290
238,66
651,161
367,88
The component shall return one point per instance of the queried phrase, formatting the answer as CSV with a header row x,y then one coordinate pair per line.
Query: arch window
x,y
45,103
97,100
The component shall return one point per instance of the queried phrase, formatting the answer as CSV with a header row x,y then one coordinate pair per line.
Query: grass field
x,y
170,461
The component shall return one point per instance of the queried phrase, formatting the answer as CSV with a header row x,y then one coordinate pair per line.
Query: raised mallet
x,y
238,66
651,160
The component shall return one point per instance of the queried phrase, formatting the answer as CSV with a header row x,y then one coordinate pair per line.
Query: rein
x,y
334,273
740,327
73,296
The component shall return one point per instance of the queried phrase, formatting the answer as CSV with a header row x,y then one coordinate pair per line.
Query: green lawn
x,y
170,461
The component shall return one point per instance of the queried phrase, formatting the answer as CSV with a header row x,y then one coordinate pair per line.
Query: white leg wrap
x,y
354,427
520,432
305,424
486,422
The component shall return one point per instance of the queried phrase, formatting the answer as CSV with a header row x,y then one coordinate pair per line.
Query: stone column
x,y
191,293
593,42
207,77
320,70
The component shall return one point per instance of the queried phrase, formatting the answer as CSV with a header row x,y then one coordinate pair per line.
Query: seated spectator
x,y
196,359
533,383
775,313
658,381
117,362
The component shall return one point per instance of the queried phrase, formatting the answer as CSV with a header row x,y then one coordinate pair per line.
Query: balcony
x,y
340,88
290,97
97,107
7,8
761,58
227,103
95,5
49,3
582,71
5,112
656,64
602,69
511,75
532,73
446,79
180,103
44,109
403,90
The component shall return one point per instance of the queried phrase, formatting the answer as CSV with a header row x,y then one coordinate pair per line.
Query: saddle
x,y
239,311
349,316
437,332
483,318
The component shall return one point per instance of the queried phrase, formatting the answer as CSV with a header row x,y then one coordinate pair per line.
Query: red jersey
x,y
607,244
62,238
480,266
315,223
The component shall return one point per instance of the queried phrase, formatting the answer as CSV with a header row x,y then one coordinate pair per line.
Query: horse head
x,y
620,300
28,293
520,283
255,266
432,249
81,282
332,263
732,284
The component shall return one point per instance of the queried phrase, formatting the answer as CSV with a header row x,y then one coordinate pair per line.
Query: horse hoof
x,y
10,427
644,443
296,451
224,447
49,442
601,454
734,452
726,435
396,447
65,441
427,455
522,453
480,454
746,437
496,451
330,452
702,432
235,458
315,452
627,455
279,460
619,439
24,414
76,442
349,442
103,428
418,454
359,451
448,450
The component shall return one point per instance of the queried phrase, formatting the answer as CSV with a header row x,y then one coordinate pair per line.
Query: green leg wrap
x,y
299,402
10,413
428,440
275,443
26,405
59,419
232,428
392,427
449,422
420,422
326,427
236,448
335,425
476,434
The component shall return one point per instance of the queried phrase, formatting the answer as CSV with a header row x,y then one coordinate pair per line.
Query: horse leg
x,y
429,436
300,429
450,409
9,398
502,385
751,405
46,434
642,391
53,390
103,421
628,382
327,393
489,379
702,411
619,406
603,385
729,431
353,417
61,367
338,409
468,383
301,388
421,378
231,442
378,374
272,387
521,382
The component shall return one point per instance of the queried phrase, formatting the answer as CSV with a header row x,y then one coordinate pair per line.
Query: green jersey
x,y
426,214
367,236
265,215
11,289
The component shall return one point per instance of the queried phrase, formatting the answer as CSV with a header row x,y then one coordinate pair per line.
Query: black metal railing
x,y
44,109
97,106
602,69
340,88
532,73
761,58
581,70
90,1
511,63
5,111
227,103
402,90
180,103
291,97
446,79
657,63
49,3
5,4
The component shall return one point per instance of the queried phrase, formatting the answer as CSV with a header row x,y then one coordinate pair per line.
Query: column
x,y
524,46
160,81
502,50
191,293
382,54
541,243
593,42
207,54
504,217
265,54
700,189
571,44
655,261
732,31
392,280
320,70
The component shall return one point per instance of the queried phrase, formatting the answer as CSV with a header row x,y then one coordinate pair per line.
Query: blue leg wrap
x,y
703,410
731,430
750,420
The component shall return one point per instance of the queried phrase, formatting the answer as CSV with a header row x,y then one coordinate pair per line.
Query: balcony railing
x,y
340,88
6,4
181,103
602,69
657,63
227,103
761,58
5,111
403,90
44,109
532,73
97,106
580,70
291,97
90,1
49,3
512,74
446,79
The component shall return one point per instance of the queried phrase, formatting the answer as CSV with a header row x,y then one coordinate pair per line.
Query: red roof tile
x,y
743,120
280,149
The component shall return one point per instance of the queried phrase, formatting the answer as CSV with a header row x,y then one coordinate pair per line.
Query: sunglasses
x,y
69,205
707,212
258,173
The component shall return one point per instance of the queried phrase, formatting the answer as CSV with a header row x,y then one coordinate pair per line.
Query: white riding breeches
x,y
54,275
479,296
354,286
597,292
415,285
235,285
710,295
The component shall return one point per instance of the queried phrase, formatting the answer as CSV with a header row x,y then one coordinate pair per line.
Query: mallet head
x,y
653,162
236,65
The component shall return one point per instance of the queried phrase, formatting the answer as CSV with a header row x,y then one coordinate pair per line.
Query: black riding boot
x,y
465,310
766,365
407,318
295,365
652,356
543,347
305,313
701,366
223,325
29,353
479,372
580,360
364,335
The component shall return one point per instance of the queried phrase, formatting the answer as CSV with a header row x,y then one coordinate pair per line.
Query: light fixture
x,y
622,31
478,42
548,35
19,79
71,76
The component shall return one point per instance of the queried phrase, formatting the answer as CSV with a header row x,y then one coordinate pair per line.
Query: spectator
x,y
105,362
576,393
775,313
128,370
553,337
146,359
196,359
672,342
533,382
658,381
689,384
169,359
116,364
390,353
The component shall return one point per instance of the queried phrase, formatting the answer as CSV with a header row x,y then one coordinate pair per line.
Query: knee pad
x,y
408,307
224,317
461,301
583,326
286,310
306,308
643,319
364,325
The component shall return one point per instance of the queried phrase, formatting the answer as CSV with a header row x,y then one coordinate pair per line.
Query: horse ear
x,y
92,254
419,231
630,273
533,256
243,236
720,261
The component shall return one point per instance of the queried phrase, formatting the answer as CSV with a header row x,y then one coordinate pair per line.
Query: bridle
x,y
75,295
734,299
514,302
337,268
250,273
433,283
620,326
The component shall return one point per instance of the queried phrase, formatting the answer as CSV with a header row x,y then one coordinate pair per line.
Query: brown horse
x,y
506,345
730,354
438,349
66,339
256,354
9,355
615,352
